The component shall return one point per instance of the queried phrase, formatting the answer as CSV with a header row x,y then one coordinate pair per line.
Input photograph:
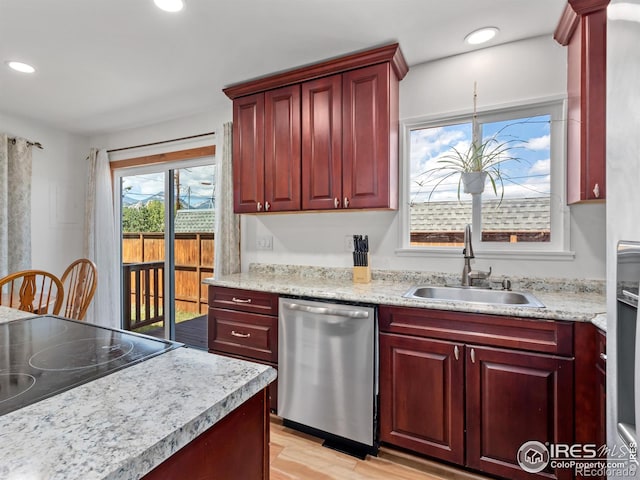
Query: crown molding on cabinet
x,y
388,53
570,18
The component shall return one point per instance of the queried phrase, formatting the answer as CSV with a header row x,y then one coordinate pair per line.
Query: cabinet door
x,y
586,88
512,398
322,143
248,153
369,131
282,149
421,395
601,378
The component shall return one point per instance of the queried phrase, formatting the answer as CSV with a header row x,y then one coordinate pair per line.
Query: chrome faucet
x,y
468,255
468,275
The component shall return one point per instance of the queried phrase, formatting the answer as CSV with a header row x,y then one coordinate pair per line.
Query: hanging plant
x,y
481,160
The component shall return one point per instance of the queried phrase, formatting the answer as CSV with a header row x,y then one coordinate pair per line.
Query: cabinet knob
x,y
267,206
259,207
336,202
456,352
346,202
596,191
603,356
473,355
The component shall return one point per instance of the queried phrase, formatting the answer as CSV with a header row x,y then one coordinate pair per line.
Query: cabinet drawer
x,y
243,300
240,333
545,336
601,349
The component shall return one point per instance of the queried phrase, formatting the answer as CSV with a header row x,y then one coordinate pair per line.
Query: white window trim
x,y
558,248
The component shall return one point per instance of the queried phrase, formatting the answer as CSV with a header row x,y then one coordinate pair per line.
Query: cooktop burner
x,y
43,356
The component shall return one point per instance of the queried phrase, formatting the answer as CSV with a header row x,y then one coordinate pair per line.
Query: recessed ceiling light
x,y
21,67
481,35
170,5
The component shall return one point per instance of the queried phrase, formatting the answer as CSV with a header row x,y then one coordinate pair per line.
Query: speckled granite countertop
x,y
563,299
121,426
600,321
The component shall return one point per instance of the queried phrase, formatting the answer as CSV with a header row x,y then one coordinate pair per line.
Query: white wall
x,y
516,72
57,192
623,172
178,128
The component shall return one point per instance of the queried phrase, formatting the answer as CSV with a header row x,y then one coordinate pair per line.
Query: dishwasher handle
x,y
338,312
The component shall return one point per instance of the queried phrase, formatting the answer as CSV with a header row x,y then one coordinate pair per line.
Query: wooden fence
x,y
194,254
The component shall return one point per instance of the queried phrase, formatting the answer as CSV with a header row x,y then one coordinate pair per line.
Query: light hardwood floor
x,y
298,456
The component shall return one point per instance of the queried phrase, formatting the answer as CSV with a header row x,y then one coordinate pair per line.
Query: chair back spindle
x,y
35,291
80,282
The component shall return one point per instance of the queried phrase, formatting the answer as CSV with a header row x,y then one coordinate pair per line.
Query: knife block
x,y
362,274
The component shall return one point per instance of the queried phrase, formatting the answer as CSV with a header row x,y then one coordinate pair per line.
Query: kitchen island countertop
x,y
122,425
562,301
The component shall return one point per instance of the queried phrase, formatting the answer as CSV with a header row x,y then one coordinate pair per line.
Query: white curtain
x,y
15,205
227,236
100,244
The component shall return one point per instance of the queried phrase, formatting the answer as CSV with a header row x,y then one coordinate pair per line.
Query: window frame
x,y
558,247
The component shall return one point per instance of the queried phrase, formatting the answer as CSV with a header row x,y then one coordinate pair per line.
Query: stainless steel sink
x,y
474,295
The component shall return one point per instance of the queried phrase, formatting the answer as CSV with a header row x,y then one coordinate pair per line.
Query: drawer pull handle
x,y
456,352
473,355
240,300
241,335
603,356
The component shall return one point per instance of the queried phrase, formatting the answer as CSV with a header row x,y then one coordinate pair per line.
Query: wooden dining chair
x,y
34,291
79,281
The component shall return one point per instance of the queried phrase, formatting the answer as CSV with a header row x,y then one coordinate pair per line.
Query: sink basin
x,y
474,295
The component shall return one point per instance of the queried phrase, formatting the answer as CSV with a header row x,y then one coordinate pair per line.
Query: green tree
x,y
143,218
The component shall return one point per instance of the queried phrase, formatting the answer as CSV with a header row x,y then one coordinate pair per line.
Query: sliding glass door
x,y
167,222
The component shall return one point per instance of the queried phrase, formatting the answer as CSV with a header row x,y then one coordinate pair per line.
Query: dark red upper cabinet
x,y
330,135
248,153
370,142
282,149
322,143
583,29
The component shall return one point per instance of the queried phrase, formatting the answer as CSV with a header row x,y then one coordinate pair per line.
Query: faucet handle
x,y
478,275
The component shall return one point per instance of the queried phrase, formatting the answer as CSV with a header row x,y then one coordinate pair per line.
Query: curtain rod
x,y
29,142
161,142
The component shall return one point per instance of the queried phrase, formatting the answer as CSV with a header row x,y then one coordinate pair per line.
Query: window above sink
x,y
531,218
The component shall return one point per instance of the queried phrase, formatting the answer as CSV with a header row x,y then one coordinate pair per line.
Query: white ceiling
x,y
109,65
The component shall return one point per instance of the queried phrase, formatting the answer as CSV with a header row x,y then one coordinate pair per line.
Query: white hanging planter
x,y
473,182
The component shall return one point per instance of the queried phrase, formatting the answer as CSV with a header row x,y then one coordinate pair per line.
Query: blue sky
x,y
530,176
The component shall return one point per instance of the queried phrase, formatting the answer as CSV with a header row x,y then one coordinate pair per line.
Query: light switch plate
x,y
264,242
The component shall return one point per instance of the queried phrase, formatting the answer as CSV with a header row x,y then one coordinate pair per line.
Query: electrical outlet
x,y
264,242
348,243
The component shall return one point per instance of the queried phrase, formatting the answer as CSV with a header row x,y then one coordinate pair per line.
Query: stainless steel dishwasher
x,y
328,371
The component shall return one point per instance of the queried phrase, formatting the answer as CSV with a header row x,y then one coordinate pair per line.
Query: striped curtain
x,y
15,205
227,236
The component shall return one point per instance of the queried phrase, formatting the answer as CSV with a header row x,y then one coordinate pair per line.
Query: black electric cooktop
x,y
43,356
